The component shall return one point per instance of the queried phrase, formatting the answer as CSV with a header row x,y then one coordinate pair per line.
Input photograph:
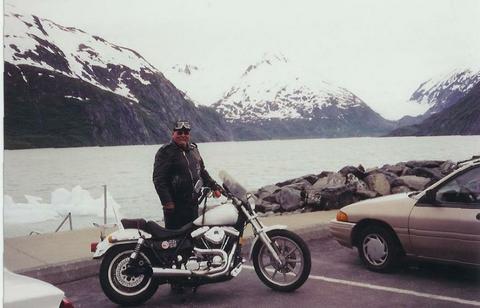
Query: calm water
x,y
127,170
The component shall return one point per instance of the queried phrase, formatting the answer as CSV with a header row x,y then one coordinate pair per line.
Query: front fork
x,y
259,230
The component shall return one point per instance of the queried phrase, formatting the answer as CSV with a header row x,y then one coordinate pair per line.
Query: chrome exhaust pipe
x,y
170,272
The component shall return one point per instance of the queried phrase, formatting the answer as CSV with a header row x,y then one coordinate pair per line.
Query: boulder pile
x,y
333,190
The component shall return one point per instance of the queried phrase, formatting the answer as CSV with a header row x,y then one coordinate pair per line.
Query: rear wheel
x,y
295,256
378,249
121,288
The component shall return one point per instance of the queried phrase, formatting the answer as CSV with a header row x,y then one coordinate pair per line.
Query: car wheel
x,y
378,249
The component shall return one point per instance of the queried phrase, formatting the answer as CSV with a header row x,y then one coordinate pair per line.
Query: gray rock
x,y
433,173
365,194
311,178
267,191
356,182
264,206
412,181
299,186
378,182
424,163
353,170
336,197
331,180
400,189
289,199
396,169
447,167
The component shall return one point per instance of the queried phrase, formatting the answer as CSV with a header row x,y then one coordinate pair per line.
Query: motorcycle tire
x,y
295,270
123,289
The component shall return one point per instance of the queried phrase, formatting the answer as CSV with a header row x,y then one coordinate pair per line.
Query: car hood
x,y
392,208
22,291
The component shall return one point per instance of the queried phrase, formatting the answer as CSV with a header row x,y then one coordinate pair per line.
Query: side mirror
x,y
430,197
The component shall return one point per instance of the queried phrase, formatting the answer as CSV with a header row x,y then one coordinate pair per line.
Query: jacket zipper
x,y
189,171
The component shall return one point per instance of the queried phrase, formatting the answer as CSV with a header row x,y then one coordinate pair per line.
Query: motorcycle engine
x,y
207,238
215,235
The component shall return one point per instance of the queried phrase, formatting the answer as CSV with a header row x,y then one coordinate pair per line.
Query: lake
x,y
42,185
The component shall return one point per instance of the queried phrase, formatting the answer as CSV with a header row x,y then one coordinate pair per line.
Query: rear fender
x,y
266,229
119,237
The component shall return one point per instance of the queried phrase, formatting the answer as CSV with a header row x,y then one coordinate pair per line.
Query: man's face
x,y
181,137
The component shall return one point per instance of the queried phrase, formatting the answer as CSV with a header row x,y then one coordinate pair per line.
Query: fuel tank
x,y
225,215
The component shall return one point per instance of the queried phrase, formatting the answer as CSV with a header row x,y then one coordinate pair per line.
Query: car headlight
x,y
342,216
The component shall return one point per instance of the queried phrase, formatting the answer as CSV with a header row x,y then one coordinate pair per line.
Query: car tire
x,y
378,249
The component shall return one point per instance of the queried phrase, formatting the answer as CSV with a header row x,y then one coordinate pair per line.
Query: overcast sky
x,y
380,50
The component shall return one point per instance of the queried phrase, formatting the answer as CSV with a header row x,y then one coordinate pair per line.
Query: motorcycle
x,y
142,255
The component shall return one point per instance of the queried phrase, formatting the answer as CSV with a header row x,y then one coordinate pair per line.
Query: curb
x,y
85,268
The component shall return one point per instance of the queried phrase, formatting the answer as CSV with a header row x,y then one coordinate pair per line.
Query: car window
x,y
464,188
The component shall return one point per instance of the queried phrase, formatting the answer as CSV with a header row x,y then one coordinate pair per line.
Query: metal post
x,y
70,219
105,204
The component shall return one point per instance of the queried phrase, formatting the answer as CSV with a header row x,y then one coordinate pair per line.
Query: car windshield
x,y
233,186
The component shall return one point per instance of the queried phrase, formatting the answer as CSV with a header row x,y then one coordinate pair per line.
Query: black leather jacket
x,y
175,173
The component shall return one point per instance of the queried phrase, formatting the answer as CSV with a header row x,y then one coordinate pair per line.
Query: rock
x,y
378,182
412,181
365,194
447,167
353,170
287,182
396,169
289,199
331,180
298,186
424,163
267,191
264,206
311,178
356,182
433,173
400,189
336,197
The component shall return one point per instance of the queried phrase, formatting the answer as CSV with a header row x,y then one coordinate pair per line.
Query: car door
x,y
447,226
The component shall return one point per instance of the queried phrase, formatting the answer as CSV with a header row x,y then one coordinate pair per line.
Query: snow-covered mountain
x,y
446,89
65,87
273,89
42,43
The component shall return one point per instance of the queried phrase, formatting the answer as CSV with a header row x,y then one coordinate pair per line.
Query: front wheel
x,y
378,249
295,256
121,288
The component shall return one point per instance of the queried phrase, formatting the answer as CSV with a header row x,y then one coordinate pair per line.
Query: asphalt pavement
x,y
337,279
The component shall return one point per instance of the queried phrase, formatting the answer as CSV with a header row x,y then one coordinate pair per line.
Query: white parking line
x,y
388,289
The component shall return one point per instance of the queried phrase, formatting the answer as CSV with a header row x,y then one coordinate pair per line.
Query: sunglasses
x,y
182,125
183,132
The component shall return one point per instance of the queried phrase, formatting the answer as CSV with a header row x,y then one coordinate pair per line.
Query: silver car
x,y
440,223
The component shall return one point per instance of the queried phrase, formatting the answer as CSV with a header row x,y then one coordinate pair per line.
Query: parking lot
x,y
337,279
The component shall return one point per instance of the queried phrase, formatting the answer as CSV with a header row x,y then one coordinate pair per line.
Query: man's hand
x,y
169,207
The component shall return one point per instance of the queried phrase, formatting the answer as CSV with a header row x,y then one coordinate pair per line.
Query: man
x,y
177,171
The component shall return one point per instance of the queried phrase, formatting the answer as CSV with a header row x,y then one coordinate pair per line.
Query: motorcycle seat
x,y
138,223
160,233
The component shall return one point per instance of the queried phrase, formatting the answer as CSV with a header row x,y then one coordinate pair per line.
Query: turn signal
x,y
342,216
93,247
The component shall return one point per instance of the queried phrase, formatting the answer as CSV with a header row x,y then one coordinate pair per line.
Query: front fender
x,y
119,237
266,229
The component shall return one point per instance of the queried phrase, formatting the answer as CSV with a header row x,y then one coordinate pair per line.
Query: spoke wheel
x,y
120,287
294,269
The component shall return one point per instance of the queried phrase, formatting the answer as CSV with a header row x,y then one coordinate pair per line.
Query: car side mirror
x,y
430,197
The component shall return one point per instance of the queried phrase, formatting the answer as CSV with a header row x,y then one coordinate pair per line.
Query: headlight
x,y
342,216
